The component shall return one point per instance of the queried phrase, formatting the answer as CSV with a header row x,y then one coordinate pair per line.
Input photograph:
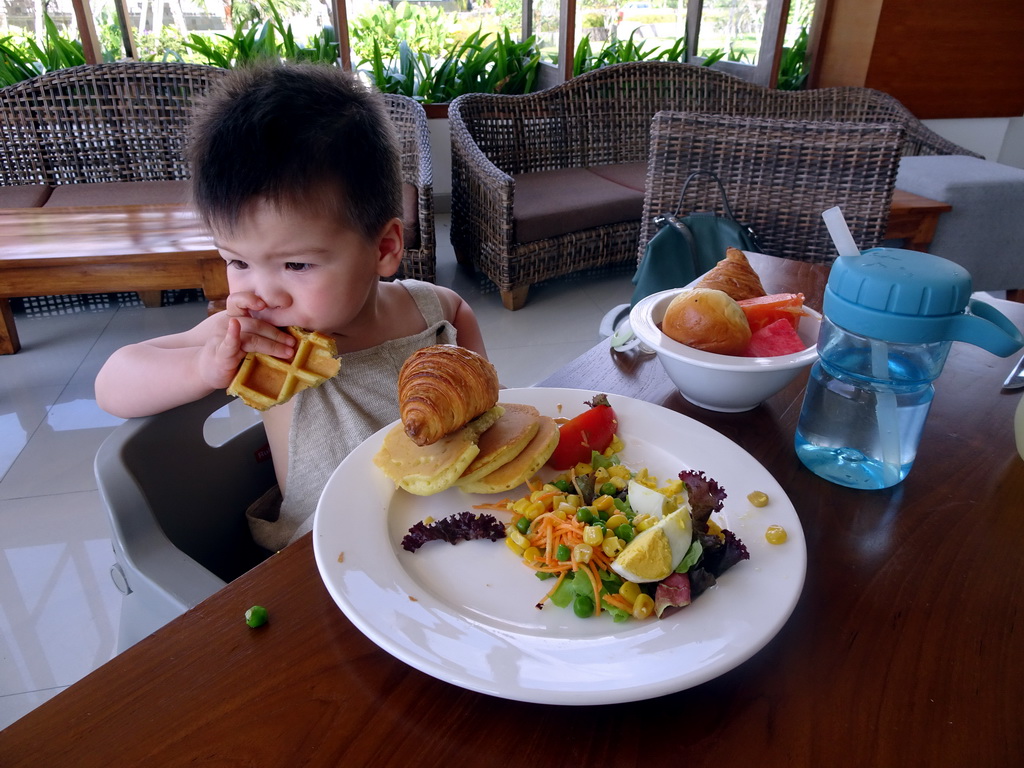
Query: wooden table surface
x,y
904,649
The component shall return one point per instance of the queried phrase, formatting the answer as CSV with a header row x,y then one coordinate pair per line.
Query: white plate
x,y
466,613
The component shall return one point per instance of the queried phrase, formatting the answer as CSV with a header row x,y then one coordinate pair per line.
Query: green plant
x,y
793,69
425,30
477,65
619,51
270,39
20,60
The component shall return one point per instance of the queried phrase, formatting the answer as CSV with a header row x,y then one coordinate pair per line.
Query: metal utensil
x,y
1016,378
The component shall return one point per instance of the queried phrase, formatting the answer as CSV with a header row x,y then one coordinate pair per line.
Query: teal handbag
x,y
684,248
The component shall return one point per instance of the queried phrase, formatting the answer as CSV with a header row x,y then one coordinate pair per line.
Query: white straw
x,y
840,232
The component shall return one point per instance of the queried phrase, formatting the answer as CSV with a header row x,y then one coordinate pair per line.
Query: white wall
x,y
997,138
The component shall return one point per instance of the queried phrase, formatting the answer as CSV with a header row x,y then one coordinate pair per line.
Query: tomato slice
x,y
592,430
765,310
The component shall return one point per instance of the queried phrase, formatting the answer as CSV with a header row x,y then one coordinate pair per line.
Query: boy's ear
x,y
390,248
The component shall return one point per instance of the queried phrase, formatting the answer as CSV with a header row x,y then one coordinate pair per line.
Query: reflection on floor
x,y
58,606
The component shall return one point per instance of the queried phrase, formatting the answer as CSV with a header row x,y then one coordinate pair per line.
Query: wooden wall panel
x,y
941,58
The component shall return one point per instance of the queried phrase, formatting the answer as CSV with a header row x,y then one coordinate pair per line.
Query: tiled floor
x,y
58,607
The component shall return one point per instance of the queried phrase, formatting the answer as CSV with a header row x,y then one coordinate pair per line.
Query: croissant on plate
x,y
733,275
442,388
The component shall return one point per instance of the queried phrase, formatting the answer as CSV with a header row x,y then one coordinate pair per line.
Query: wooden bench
x,y
52,251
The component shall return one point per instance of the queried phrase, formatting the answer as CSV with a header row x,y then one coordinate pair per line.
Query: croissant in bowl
x,y
442,388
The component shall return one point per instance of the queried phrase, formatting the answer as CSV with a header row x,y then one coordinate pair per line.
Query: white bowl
x,y
720,382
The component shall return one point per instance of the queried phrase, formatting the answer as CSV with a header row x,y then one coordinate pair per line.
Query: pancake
x,y
505,440
522,467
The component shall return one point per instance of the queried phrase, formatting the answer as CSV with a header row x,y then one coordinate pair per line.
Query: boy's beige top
x,y
331,420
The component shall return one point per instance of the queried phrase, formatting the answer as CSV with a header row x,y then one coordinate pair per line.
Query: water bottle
x,y
890,316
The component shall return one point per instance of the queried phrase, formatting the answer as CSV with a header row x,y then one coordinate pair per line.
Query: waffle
x,y
263,381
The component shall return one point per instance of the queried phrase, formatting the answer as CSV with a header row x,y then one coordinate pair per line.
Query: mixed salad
x,y
612,539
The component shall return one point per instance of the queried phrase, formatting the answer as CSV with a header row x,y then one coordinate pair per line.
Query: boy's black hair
x,y
309,137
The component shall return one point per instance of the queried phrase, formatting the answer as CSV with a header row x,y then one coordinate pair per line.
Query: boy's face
x,y
310,271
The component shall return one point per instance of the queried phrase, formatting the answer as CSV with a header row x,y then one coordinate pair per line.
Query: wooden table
x,y
913,218
53,251
905,647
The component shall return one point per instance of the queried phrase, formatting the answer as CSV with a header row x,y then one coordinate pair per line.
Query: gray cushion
x,y
553,203
984,231
24,196
119,193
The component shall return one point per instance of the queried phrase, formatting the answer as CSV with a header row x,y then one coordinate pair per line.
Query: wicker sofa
x,y
114,134
551,183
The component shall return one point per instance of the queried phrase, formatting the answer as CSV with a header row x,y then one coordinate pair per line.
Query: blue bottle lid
x,y
896,295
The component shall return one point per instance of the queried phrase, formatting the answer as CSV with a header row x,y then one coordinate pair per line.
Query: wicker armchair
x,y
410,119
126,121
597,120
779,176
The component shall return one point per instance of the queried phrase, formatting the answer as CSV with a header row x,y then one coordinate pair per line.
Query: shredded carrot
x,y
618,601
499,505
552,590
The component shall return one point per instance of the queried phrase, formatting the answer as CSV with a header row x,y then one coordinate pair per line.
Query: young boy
x,y
295,169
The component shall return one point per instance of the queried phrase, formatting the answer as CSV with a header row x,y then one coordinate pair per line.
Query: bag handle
x,y
721,189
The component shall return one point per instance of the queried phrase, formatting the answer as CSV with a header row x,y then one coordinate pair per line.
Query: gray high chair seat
x,y
176,506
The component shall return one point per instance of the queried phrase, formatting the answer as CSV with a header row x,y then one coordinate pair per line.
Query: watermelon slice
x,y
765,310
778,338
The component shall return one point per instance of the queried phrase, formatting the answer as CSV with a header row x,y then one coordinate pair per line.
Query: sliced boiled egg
x,y
647,501
654,553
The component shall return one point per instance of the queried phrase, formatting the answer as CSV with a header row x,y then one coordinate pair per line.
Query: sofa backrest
x,y
124,121
604,116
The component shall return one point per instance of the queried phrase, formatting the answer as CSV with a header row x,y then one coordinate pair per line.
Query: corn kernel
x,y
776,534
618,482
615,521
758,498
548,487
534,495
643,606
604,503
513,546
615,446
518,538
520,505
428,520
566,509
630,591
600,475
531,554
611,546
583,469
593,535
582,553
574,500
534,510
560,513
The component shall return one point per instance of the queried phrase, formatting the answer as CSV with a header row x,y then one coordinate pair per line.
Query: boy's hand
x,y
220,357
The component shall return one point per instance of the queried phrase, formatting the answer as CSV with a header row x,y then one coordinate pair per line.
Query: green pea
x,y
523,525
563,485
583,606
563,552
604,514
584,515
625,532
609,489
256,616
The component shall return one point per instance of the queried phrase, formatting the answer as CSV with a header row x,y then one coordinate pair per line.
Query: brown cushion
x,y
552,203
411,216
24,196
119,193
632,175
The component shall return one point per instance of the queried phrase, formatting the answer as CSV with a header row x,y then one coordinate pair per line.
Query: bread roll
x,y
707,319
